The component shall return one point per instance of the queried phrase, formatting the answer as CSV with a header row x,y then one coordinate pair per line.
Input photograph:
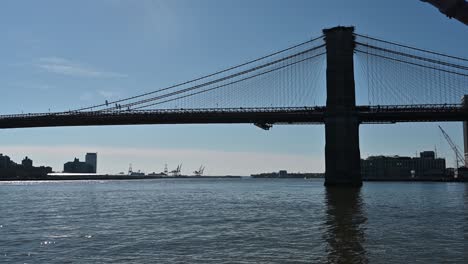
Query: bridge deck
x,y
272,115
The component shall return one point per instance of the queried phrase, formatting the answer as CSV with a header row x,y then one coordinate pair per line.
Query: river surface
x,y
232,221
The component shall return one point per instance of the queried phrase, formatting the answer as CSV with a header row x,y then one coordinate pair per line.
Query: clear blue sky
x,y
64,54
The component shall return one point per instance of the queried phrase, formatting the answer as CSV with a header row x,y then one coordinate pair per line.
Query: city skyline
x,y
188,171
53,57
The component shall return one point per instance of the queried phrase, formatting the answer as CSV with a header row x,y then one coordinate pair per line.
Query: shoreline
x,y
112,177
149,177
415,180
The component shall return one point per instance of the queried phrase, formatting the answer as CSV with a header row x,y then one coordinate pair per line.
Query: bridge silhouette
x,y
396,83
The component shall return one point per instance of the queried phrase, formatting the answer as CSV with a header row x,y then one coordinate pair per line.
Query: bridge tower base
x,y
342,155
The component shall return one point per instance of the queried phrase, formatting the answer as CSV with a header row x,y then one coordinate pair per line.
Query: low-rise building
x,y
27,162
424,167
25,170
5,162
77,166
286,174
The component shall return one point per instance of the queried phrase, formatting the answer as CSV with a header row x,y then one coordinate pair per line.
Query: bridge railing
x,y
412,108
170,111
304,109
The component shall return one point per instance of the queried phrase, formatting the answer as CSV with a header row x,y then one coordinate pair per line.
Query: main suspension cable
x,y
414,48
203,77
214,81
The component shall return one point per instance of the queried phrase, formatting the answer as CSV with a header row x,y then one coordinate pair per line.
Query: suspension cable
x,y
215,81
414,48
448,64
203,77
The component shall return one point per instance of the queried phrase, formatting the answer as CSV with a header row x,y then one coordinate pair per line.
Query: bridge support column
x,y
465,130
342,155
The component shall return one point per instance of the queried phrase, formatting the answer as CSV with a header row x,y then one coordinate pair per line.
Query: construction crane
x,y
458,156
200,171
457,9
165,169
176,172
130,170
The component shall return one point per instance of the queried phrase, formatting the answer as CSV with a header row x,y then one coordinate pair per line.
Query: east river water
x,y
232,221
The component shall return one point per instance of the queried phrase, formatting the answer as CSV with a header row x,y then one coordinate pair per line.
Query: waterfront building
x,y
77,166
424,167
427,154
27,162
286,174
91,159
25,170
462,173
5,161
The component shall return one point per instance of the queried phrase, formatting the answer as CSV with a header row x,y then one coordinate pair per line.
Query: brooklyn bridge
x,y
341,79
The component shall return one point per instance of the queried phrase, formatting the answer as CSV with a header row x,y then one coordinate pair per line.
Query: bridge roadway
x,y
263,117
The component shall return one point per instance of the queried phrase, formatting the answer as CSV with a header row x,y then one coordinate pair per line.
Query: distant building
x,y
285,174
77,166
25,170
28,163
427,154
424,167
5,162
462,173
91,159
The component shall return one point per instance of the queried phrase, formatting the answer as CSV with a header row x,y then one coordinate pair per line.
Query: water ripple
x,y
231,221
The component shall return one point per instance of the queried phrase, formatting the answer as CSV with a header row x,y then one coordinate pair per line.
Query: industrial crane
x,y
458,156
200,171
176,172
457,9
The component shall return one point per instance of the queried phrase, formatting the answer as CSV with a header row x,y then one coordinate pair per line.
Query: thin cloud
x,y
109,94
87,96
29,85
66,67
